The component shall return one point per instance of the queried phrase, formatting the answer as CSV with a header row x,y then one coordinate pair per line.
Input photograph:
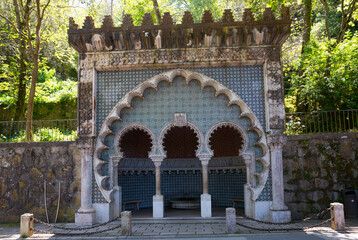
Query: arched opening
x,y
136,168
227,175
135,143
181,175
180,142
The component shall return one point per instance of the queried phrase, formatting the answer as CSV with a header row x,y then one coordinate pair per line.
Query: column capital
x,y
157,159
204,158
248,157
116,160
276,141
85,144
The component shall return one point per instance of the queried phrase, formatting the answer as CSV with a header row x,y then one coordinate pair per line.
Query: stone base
x,y
158,206
280,216
205,200
105,211
85,218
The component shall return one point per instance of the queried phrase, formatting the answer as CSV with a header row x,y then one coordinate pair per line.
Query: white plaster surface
x,y
249,204
280,216
85,218
262,210
205,200
158,206
117,206
104,212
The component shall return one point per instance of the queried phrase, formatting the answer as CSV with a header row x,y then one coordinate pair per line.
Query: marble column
x,y
279,212
205,198
249,159
158,199
86,213
117,207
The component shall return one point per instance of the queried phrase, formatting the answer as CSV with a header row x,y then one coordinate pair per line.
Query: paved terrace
x,y
193,229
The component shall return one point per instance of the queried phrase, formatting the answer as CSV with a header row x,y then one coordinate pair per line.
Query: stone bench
x,y
134,202
235,201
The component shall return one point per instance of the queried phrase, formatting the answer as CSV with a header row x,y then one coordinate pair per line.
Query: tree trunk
x,y
30,103
346,17
326,16
307,23
157,12
21,25
21,93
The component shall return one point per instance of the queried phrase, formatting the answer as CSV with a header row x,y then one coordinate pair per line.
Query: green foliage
x,y
43,135
52,90
49,89
330,76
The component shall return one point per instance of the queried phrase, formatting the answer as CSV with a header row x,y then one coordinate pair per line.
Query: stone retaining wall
x,y
317,168
23,169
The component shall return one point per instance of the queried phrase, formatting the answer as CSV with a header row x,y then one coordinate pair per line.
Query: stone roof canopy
x,y
227,33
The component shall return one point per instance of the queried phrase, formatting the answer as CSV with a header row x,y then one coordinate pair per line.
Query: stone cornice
x,y
213,56
226,33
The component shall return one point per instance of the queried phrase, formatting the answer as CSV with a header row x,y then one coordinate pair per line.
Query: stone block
x,y
321,183
126,223
338,187
305,185
323,172
303,207
27,225
290,197
85,218
231,220
205,205
291,187
333,196
280,216
158,206
337,213
315,196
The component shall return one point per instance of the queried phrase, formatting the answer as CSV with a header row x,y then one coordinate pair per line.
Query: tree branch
x,y
43,10
13,25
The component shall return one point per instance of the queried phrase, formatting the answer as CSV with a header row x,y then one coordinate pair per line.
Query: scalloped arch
x,y
171,124
133,126
245,138
168,76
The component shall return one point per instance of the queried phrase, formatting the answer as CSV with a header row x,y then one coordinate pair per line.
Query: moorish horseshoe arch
x,y
129,127
174,123
153,82
240,129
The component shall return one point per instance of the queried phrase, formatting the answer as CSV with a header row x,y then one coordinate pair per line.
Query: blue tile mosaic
x,y
223,186
246,81
201,107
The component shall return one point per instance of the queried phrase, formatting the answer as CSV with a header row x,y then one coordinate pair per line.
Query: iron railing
x,y
296,123
43,130
322,122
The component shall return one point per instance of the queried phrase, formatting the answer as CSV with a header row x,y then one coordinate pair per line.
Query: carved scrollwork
x,y
85,123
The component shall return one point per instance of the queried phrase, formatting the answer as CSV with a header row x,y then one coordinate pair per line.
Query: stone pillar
x,y
279,212
26,225
205,198
117,208
337,213
126,223
249,158
231,220
158,199
86,213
